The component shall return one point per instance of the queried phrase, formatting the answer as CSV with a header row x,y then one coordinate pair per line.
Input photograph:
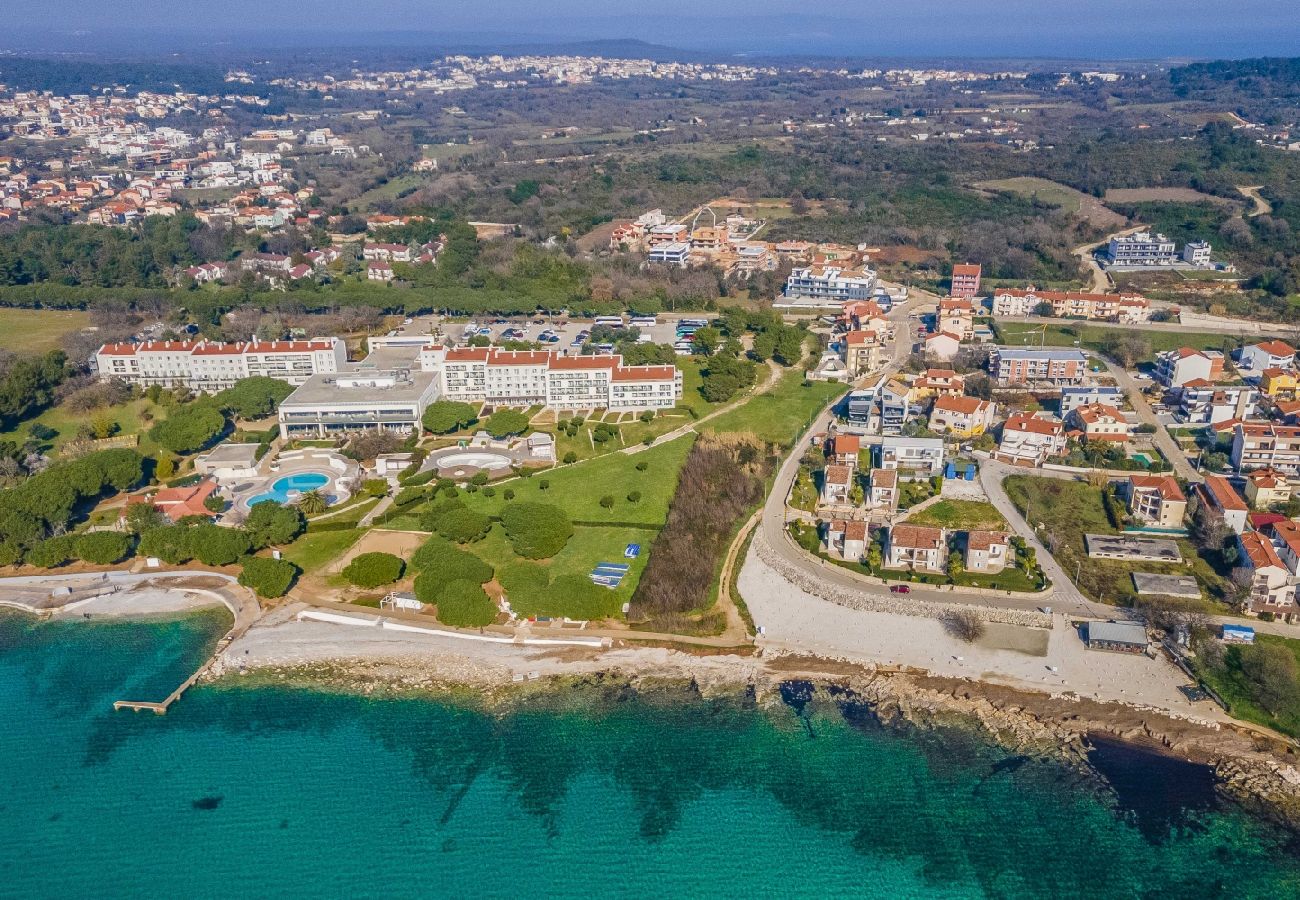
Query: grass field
x,y
781,413
1068,510
962,515
1234,687
1067,198
313,551
1166,195
38,330
1092,336
127,417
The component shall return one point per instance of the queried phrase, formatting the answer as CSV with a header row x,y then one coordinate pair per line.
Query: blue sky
x,y
867,28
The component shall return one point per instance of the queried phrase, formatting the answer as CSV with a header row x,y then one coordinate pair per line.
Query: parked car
x,y
899,589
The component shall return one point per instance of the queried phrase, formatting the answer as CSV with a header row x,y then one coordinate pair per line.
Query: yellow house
x,y
1278,382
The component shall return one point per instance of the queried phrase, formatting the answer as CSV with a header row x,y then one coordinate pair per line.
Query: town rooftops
x,y
916,537
1165,485
1221,494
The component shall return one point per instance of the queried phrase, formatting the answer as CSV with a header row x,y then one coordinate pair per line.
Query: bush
x,y
508,494
462,604
536,530
268,577
506,422
213,545
189,429
444,560
607,501
375,487
214,503
480,478
103,547
373,569
270,523
634,497
446,416
170,543
489,491
51,552
544,485
409,496
570,458
464,526
642,466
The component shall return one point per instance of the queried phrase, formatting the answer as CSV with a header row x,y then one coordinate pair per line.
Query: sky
x,y
863,28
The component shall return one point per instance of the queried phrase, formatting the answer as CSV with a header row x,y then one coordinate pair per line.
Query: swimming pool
x,y
474,460
290,487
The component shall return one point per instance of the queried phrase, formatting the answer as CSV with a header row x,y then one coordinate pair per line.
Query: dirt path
x,y
1261,206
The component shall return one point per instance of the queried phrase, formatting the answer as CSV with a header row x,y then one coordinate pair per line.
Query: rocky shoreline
x,y
1251,769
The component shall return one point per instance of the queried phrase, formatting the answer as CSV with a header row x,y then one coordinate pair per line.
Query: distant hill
x,y
1272,77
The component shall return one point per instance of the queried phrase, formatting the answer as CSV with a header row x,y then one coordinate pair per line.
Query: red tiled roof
x,y
966,269
855,531
1260,552
983,540
1276,348
645,373
583,362
838,474
1222,493
1166,485
921,537
964,405
847,443
1032,424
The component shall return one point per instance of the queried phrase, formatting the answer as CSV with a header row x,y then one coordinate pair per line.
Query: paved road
x,y
1168,446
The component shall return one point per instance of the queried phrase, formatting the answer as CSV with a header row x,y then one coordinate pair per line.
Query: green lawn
x,y
804,494
962,515
127,417
1236,689
316,549
780,414
1092,336
1066,198
38,330
1069,509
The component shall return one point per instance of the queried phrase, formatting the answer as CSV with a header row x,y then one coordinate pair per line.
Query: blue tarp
x,y
970,472
632,551
950,471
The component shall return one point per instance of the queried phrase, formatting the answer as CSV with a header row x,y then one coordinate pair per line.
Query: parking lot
x,y
565,331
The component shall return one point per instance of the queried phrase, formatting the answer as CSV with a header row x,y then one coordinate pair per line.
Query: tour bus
x,y
610,321
692,323
645,321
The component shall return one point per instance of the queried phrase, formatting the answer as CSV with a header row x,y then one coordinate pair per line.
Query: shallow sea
x,y
279,792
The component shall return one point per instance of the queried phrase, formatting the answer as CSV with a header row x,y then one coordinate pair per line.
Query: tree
x,y
607,501
164,468
270,523
570,458
634,497
311,503
268,577
253,398
505,422
446,416
190,429
170,543
141,517
705,340
1126,347
462,604
956,565
964,625
213,545
51,552
1272,671
464,526
214,503
103,547
445,561
536,530
370,570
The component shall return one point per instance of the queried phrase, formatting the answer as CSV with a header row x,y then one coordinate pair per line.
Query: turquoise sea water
x,y
242,792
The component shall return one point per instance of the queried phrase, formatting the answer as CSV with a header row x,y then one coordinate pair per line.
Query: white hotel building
x,y
827,285
216,365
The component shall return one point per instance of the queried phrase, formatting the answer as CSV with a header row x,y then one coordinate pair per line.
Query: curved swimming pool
x,y
290,487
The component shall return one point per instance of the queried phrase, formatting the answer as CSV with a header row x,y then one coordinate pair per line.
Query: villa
x,y
1157,500
916,547
987,551
848,540
837,481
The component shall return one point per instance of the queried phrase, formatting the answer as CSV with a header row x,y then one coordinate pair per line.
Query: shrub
x,y
634,497
461,603
536,530
446,416
164,468
570,458
480,478
214,503
642,466
444,560
607,501
373,569
543,485
489,491
103,547
409,496
375,487
170,543
189,429
506,422
508,494
51,552
268,577
213,545
464,526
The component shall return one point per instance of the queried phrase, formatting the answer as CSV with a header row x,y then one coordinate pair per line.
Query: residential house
x,y
1267,355
895,400
1266,488
1029,440
956,317
882,491
916,547
1286,541
987,551
939,382
837,482
1277,383
1262,445
942,345
923,456
379,271
1175,368
1157,500
1203,403
863,352
1012,366
178,502
1218,500
1098,422
1271,589
963,417
844,450
965,280
848,540
1074,397
1126,309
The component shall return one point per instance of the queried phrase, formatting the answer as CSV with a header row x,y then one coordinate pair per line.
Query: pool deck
x,y
341,476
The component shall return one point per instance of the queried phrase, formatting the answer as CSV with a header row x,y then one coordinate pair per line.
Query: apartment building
x,y
1175,368
1141,249
916,547
942,346
882,489
965,280
1122,308
673,253
1263,445
837,483
391,400
987,551
844,449
209,366
1009,365
1030,440
1271,588
962,417
1099,422
1203,403
829,284
939,382
1219,500
1265,488
863,352
1279,384
923,456
1267,355
1157,500
956,317
533,377
1074,397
